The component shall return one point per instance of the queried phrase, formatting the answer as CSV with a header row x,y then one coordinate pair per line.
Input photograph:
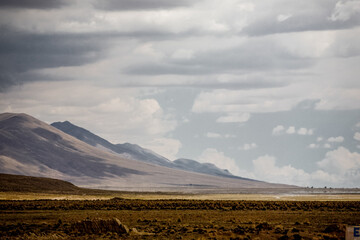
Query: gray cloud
x,y
252,56
22,52
33,4
304,16
125,5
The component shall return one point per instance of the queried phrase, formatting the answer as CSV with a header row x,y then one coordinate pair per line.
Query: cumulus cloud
x,y
304,131
313,145
339,168
248,146
212,155
291,130
279,129
167,147
234,118
357,136
218,135
213,135
338,139
265,169
326,145
341,161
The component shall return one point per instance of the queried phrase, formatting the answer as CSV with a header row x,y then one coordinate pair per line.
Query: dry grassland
x,y
166,216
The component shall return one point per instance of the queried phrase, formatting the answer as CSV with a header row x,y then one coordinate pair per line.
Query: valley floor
x,y
176,219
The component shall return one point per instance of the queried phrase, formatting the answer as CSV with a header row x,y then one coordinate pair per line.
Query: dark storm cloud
x,y
252,56
22,52
33,4
126,5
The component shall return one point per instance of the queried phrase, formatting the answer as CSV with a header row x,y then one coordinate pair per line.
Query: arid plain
x,y
131,215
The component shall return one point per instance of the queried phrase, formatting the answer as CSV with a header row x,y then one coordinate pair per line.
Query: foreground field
x,y
176,219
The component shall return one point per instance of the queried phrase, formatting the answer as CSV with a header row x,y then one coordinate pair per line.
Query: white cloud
x,y
304,131
313,145
211,155
343,163
291,130
326,145
234,118
213,135
279,129
248,146
218,135
338,139
357,136
319,139
339,168
116,114
166,147
265,169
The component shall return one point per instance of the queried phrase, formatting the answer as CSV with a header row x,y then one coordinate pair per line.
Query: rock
x,y
239,230
263,226
297,237
332,228
279,229
284,237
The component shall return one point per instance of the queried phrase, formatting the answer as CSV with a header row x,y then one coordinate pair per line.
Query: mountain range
x,y
31,147
135,152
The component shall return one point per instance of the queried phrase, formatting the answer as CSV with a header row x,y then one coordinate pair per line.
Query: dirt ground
x,y
176,219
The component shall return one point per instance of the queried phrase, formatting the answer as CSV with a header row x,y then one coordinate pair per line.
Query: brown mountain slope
x,y
20,183
31,147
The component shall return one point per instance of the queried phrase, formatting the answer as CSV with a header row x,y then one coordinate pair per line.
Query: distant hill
x,y
20,183
206,168
133,151
31,147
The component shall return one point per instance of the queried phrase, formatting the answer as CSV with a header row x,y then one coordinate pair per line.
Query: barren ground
x,y
226,216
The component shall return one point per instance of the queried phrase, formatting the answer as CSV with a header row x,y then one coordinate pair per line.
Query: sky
x,y
267,89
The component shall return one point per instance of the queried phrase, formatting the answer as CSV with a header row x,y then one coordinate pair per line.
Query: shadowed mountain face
x,y
133,151
31,147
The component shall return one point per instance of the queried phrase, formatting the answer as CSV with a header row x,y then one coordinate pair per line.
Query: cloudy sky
x,y
268,89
